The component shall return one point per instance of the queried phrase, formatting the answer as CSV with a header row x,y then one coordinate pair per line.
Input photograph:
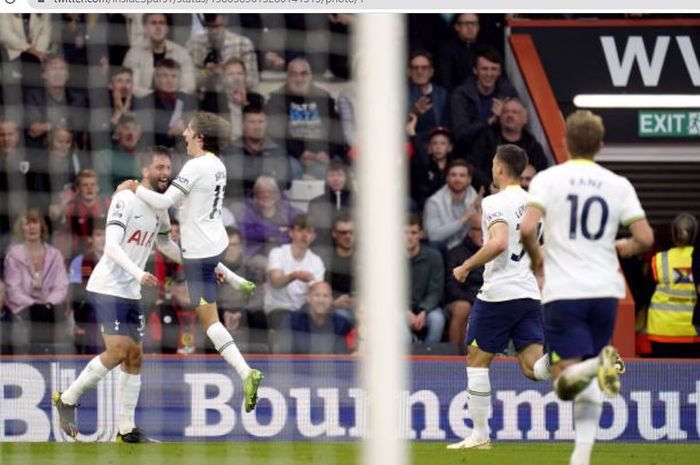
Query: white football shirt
x,y
202,180
293,295
141,225
583,205
507,276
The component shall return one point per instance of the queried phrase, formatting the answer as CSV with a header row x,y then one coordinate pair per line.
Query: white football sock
x,y
88,379
587,410
232,278
227,348
479,389
542,369
128,389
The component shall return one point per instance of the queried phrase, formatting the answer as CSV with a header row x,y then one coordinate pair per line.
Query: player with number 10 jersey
x,y
584,204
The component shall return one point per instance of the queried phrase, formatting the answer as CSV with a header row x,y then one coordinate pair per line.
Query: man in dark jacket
x,y
304,116
479,101
509,130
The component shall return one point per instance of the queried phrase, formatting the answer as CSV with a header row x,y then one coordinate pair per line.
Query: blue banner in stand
x,y
200,399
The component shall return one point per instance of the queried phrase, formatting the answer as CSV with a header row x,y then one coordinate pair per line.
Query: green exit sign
x,y
669,123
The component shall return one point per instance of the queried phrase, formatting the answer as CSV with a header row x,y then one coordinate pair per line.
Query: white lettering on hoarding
x,y
23,408
278,406
200,404
671,426
650,69
330,425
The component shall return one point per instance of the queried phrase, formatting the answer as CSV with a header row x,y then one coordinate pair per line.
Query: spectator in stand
x,y
459,297
73,37
87,208
337,196
26,37
109,105
37,285
57,172
86,333
238,311
163,112
526,176
339,262
695,269
316,328
448,212
425,318
304,116
479,101
510,129
669,321
264,218
143,57
456,58
253,155
121,162
291,270
55,105
231,97
346,104
428,171
427,100
17,179
211,49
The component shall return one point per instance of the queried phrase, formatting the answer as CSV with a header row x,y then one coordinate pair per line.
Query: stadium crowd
x,y
81,95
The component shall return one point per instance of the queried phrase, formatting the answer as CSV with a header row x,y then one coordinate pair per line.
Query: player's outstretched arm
x,y
642,239
168,247
529,233
492,248
160,201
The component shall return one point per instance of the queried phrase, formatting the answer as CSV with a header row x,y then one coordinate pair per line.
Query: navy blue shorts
x,y
578,328
201,279
493,324
118,316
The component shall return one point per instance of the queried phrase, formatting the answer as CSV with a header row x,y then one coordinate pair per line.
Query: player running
x,y
114,289
508,304
198,190
583,205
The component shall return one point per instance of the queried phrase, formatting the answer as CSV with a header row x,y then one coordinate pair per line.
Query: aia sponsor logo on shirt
x,y
142,238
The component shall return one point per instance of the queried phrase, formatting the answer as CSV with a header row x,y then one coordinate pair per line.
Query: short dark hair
x,y
117,70
213,129
146,157
211,17
303,221
421,53
343,216
458,162
513,158
414,219
490,54
232,230
168,63
147,15
253,108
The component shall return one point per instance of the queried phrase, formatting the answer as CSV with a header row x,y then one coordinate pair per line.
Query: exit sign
x,y
669,123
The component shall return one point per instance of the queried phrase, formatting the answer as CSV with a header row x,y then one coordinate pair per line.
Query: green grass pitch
x,y
327,453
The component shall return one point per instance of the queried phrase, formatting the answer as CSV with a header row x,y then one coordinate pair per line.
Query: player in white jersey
x,y
583,204
508,304
198,190
114,289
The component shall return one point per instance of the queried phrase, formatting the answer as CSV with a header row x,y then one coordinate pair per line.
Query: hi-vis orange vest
x,y
671,308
